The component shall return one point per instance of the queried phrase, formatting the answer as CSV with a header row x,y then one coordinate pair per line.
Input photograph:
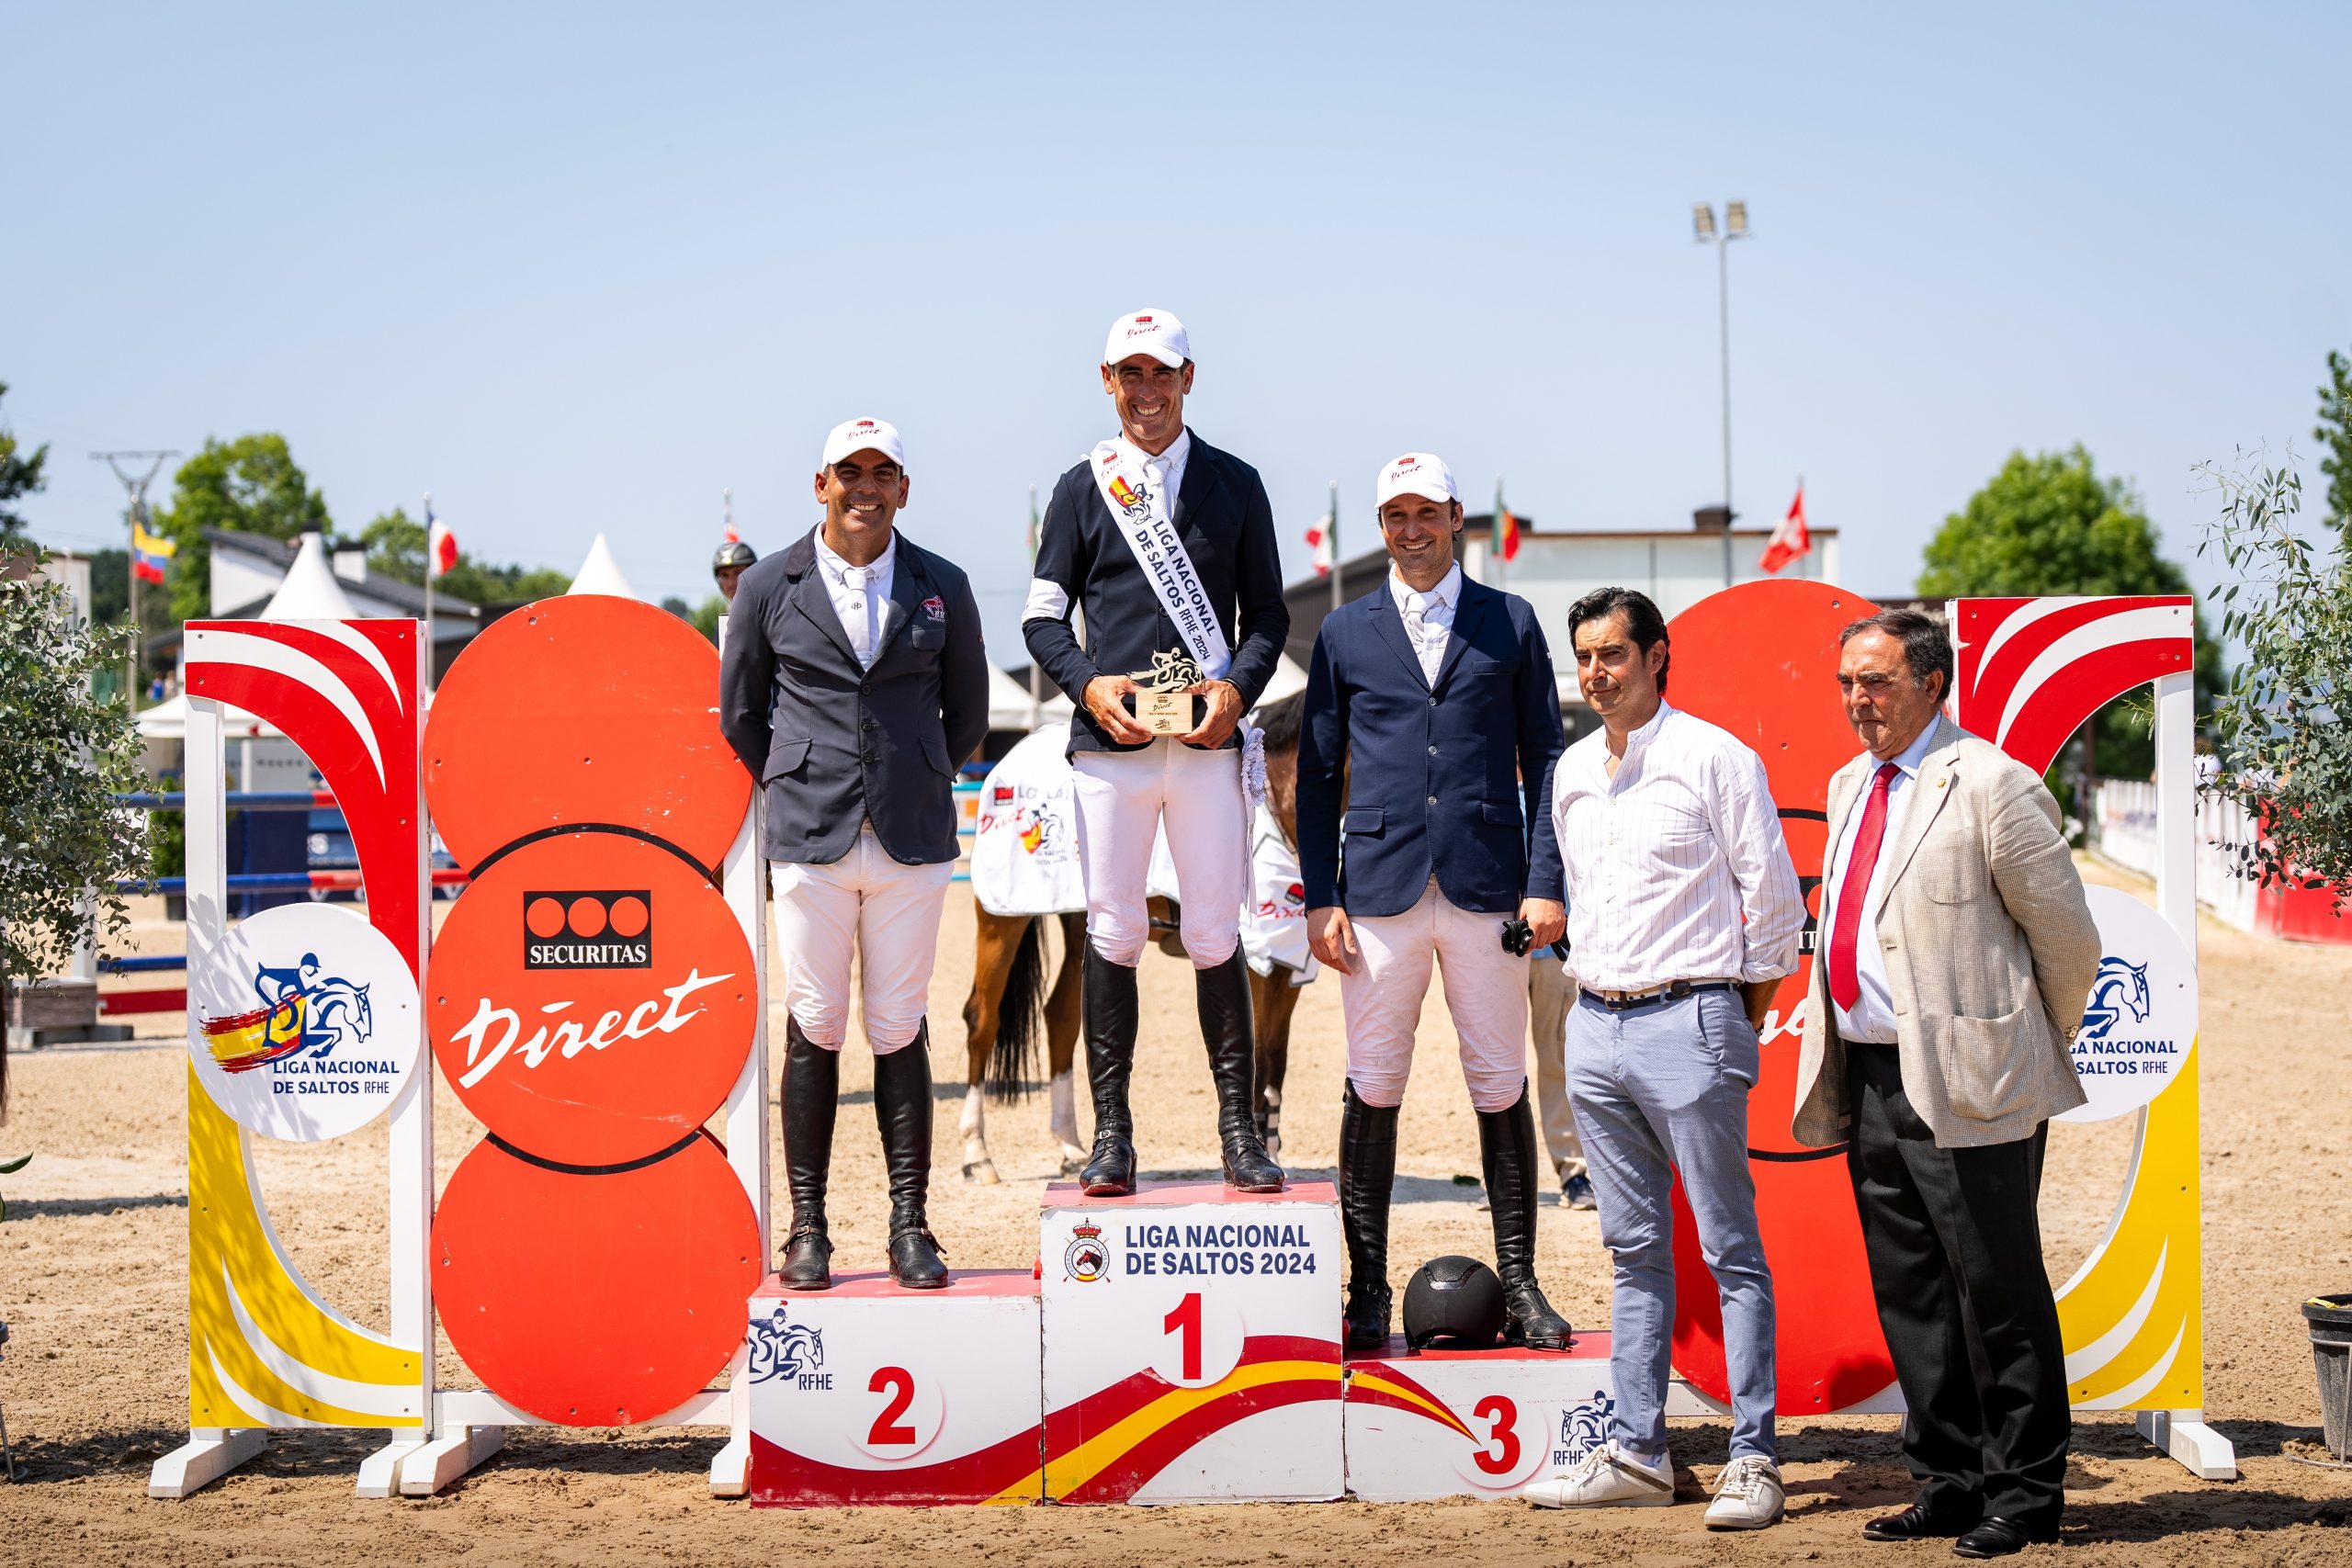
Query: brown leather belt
x,y
1627,1001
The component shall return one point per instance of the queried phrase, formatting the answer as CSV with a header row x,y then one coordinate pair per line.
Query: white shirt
x,y
1873,1020
1676,867
861,596
1428,618
1165,472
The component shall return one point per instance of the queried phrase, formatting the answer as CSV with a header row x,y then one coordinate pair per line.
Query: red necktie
x,y
1853,891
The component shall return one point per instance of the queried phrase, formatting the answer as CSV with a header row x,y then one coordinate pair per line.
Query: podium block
x,y
1472,1423
1192,1344
870,1393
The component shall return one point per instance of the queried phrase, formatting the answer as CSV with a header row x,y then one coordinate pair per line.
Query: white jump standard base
x,y
1191,1344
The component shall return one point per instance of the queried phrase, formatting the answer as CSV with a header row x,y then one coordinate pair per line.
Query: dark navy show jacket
x,y
1453,776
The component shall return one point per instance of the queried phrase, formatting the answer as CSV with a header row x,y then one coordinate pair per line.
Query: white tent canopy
x,y
1009,701
601,574
1286,679
310,591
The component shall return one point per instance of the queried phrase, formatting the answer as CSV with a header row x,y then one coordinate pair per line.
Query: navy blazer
x,y
836,745
1451,776
1227,527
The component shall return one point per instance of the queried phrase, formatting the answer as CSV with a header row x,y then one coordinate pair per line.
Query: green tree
x,y
252,485
2284,727
63,757
2335,434
2050,524
396,548
19,476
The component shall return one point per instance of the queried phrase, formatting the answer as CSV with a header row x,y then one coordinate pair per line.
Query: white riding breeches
x,y
1121,798
1485,990
869,905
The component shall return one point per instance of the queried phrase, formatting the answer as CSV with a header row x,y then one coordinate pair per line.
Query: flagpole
x,y
1036,688
138,627
1338,593
428,593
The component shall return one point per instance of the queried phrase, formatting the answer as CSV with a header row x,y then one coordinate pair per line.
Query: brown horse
x,y
1011,1004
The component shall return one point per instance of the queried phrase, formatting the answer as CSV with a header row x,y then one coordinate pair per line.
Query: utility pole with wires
x,y
135,519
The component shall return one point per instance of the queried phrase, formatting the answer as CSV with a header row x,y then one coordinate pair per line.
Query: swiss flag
x,y
1790,539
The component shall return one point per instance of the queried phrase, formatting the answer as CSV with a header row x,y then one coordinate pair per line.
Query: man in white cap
x,y
1431,727
854,686
1166,546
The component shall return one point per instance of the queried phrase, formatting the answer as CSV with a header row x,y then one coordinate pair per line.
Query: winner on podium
x,y
1167,545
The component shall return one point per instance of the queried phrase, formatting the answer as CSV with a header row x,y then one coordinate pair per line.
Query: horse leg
x,y
1274,998
1063,1008
995,939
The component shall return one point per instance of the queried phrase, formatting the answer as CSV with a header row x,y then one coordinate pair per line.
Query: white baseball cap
x,y
863,435
1415,473
1154,333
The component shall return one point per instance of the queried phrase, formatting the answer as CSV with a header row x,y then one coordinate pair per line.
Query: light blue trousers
x,y
1656,1090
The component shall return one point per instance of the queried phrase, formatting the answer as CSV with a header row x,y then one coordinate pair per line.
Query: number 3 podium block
x,y
1191,1344
870,1393
1472,1423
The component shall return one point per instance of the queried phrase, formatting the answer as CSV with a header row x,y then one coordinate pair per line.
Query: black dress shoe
x,y
1919,1522
1999,1537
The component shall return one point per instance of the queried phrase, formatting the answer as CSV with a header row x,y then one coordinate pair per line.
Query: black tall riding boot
x,y
1109,1002
1367,1175
1222,993
812,1079
902,1109
1507,1148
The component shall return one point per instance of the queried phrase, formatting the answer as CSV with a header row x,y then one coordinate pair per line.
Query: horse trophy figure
x,y
1012,1003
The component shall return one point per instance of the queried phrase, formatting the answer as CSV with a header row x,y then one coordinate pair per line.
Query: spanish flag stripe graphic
x,y
1378,1383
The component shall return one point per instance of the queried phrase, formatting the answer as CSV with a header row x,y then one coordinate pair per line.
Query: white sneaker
x,y
1607,1477
1747,1496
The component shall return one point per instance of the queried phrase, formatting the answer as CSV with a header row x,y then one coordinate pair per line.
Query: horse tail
x,y
1020,1019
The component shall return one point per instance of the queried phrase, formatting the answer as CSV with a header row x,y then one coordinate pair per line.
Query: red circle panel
x,y
1761,661
592,1053
594,1301
583,709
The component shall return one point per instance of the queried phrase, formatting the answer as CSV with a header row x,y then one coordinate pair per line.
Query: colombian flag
x,y
149,552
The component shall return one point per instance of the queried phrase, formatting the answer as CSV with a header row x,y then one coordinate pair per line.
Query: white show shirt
x,y
1873,1020
1428,618
861,596
1676,867
1164,472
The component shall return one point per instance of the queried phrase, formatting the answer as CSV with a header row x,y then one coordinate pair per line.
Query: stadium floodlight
x,y
1703,221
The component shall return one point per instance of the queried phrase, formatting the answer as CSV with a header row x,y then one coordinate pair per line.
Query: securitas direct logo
x,y
589,929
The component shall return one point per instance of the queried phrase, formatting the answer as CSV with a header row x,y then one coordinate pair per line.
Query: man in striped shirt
x,y
1683,914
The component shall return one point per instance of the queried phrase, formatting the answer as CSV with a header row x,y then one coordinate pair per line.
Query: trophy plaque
x,y
1162,704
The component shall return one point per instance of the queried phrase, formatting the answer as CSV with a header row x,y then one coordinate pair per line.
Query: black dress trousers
x,y
1955,1254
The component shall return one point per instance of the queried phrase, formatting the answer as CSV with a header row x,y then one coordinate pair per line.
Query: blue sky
x,y
576,269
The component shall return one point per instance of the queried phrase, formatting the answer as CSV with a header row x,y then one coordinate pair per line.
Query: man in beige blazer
x,y
1958,952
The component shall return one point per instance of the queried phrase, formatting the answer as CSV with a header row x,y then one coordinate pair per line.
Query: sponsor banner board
x,y
2141,1018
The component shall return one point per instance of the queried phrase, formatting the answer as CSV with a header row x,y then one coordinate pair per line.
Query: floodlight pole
x,y
134,515
1734,227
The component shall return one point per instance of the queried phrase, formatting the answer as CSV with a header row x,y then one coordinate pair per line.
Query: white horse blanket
x,y
1025,857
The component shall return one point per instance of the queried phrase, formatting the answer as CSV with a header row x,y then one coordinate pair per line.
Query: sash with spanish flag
x,y
149,552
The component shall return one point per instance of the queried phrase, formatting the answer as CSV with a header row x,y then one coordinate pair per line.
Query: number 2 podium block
x,y
1472,1423
870,1393
1192,1344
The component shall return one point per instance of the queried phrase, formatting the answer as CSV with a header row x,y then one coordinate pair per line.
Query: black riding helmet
x,y
735,553
1455,1303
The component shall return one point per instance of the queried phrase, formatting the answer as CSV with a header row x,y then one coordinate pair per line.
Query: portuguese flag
x,y
1505,540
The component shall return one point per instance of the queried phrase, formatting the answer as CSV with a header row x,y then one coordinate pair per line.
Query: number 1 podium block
x,y
1472,1423
1192,1344
867,1393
